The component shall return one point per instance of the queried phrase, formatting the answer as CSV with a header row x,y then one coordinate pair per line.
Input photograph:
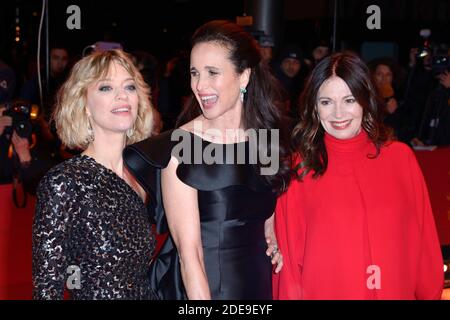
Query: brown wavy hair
x,y
308,135
261,109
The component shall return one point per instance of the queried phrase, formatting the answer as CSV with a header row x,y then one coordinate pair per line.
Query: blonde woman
x,y
92,232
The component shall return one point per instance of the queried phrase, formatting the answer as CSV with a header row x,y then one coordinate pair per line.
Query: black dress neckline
x,y
211,142
113,175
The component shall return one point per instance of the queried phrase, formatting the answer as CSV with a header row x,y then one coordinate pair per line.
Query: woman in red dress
x,y
357,223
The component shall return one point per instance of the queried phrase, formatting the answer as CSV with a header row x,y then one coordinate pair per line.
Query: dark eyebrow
x,y
206,67
347,96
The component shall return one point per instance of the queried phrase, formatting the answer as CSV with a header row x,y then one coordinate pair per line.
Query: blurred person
x,y
23,159
357,222
291,72
21,147
266,45
418,86
385,74
59,68
320,51
7,85
90,212
435,124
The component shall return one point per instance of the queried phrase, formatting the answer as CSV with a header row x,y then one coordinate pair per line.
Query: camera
x,y
21,113
440,64
425,49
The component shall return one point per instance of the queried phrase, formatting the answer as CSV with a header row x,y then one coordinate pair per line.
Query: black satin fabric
x,y
234,202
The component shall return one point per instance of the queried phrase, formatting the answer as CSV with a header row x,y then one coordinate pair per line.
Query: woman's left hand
x,y
22,147
274,252
391,105
444,79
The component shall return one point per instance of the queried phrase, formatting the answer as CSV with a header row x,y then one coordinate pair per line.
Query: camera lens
x,y
23,128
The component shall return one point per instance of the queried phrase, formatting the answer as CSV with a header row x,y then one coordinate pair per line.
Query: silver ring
x,y
275,251
275,248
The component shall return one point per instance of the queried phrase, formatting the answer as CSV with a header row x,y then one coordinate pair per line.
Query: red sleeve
x,y
290,230
430,277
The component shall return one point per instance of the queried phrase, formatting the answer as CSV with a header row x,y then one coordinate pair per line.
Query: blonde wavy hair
x,y
70,115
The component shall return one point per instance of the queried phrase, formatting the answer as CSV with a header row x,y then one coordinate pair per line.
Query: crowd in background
x,y
416,98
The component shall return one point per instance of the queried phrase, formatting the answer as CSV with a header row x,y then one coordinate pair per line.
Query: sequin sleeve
x,y
54,210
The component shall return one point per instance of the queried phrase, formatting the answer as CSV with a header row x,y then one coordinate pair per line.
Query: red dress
x,y
364,230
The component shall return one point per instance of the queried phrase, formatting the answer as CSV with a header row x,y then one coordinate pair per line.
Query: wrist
x,y
25,164
24,156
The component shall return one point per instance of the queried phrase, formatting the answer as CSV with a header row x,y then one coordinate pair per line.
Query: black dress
x,y
88,217
234,203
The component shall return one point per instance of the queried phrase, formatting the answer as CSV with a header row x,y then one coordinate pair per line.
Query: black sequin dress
x,y
88,217
234,203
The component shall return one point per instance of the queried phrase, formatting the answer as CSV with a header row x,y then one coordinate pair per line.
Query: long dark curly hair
x,y
308,135
260,109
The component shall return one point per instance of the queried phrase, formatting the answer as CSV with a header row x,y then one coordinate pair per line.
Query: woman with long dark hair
x,y
357,222
216,188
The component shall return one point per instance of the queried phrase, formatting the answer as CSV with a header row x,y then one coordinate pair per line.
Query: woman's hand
x,y
274,252
444,79
272,246
391,105
22,148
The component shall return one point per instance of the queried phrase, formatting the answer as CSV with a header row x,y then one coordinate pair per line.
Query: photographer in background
x,y
7,86
25,154
21,152
435,124
387,78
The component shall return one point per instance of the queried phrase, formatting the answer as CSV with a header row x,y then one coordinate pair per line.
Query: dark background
x,y
163,27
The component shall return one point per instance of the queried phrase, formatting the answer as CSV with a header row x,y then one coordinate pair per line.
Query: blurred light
x,y
17,39
34,111
424,53
445,268
17,28
164,30
35,14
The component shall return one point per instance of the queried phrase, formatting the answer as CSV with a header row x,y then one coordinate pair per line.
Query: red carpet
x,y
15,247
436,170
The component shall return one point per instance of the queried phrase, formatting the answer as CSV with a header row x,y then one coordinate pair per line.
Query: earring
x,y
90,132
242,91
